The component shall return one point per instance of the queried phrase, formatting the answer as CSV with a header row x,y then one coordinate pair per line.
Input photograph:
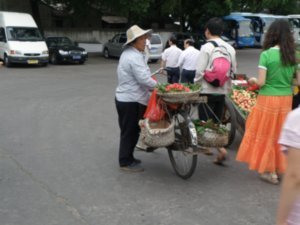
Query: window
x,y
2,34
155,39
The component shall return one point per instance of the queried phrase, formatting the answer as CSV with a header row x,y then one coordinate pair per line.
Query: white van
x,y
21,40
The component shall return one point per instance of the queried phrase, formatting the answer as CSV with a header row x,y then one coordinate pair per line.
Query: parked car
x,y
114,47
156,48
21,41
63,50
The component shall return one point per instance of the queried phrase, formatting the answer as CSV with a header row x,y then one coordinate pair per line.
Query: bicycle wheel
x,y
229,120
181,153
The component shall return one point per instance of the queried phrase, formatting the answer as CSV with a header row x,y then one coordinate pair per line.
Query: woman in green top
x,y
277,67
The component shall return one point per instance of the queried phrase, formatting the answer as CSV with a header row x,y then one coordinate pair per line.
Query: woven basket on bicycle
x,y
179,97
157,134
212,138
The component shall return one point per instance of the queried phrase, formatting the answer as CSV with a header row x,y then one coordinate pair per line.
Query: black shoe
x,y
137,161
133,167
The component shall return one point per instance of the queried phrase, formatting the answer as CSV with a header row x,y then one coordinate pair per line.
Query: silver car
x,y
114,47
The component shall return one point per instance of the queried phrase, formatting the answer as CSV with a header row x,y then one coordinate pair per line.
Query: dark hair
x,y
190,42
215,26
279,33
173,39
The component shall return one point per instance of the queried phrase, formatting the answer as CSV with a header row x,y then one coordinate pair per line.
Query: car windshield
x,y
23,34
155,39
59,41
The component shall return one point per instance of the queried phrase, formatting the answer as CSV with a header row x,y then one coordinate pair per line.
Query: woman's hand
x,y
252,81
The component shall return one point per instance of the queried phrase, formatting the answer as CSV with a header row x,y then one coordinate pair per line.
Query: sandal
x,y
270,178
222,156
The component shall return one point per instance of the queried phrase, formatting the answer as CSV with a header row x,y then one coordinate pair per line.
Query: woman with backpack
x,y
276,69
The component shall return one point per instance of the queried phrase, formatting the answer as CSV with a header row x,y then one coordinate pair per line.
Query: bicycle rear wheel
x,y
229,120
181,153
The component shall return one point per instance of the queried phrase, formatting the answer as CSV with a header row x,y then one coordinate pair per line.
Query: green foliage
x,y
161,87
202,126
271,6
192,14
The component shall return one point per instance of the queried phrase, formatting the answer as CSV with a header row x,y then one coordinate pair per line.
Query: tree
x,y
271,6
193,14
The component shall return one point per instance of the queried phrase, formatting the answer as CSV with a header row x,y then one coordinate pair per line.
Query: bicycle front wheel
x,y
181,154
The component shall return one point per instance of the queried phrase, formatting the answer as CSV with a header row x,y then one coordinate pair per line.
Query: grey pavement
x,y
58,159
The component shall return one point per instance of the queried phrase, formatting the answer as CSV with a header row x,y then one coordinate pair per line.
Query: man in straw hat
x,y
132,95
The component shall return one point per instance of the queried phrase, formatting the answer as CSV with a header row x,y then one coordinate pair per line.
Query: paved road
x,y
58,159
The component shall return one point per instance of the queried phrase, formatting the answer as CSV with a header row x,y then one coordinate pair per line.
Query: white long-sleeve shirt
x,y
188,58
171,56
134,77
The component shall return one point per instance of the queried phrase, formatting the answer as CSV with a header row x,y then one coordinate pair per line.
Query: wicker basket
x,y
179,97
210,138
157,134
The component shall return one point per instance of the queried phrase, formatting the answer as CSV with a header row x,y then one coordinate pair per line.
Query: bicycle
x,y
183,153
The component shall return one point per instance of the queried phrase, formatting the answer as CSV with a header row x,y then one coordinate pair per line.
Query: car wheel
x,y
53,59
6,61
106,53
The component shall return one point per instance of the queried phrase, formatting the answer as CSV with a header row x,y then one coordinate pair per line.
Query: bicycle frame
x,y
184,111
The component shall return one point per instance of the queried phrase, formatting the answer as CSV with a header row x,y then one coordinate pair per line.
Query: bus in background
x,y
239,28
295,23
257,25
260,23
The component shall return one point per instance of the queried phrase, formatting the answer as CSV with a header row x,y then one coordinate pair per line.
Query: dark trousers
x,y
129,115
296,101
173,74
216,104
187,76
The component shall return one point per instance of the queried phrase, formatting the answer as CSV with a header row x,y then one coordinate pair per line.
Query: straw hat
x,y
134,32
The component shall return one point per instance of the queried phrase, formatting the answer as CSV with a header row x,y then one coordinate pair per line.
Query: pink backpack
x,y
219,67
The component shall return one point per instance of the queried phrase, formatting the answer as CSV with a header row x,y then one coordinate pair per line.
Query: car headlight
x,y
84,53
15,52
62,52
45,52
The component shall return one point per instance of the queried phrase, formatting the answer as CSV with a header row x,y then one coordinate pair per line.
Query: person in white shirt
x,y
169,60
147,50
188,61
215,95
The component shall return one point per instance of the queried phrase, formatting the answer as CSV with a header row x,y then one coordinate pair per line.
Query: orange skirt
x,y
259,147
